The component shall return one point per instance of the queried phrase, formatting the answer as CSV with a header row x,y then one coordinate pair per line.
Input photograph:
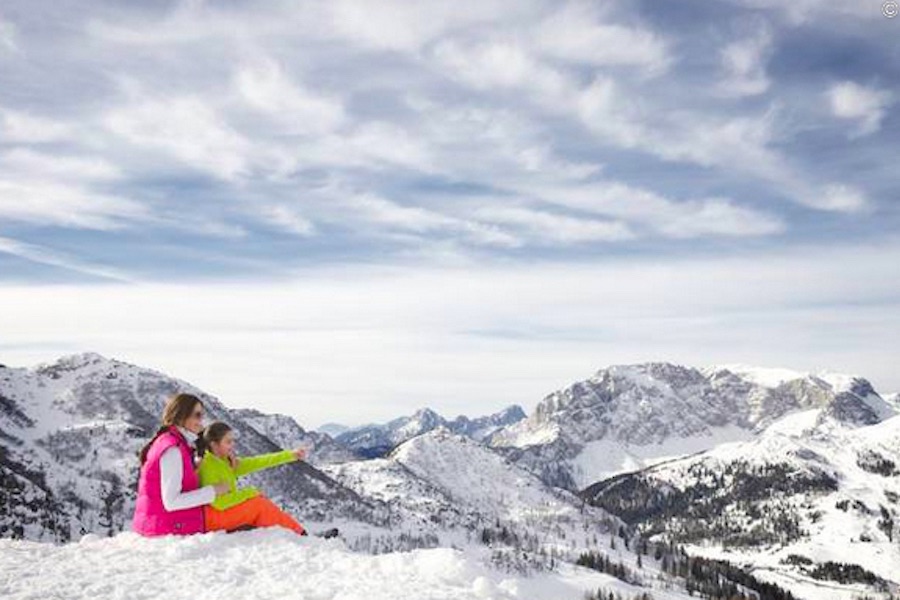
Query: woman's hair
x,y
178,408
214,432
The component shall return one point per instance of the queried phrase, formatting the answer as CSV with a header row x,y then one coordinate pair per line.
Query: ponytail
x,y
143,453
202,444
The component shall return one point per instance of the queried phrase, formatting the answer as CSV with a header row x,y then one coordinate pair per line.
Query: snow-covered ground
x,y
274,563
603,458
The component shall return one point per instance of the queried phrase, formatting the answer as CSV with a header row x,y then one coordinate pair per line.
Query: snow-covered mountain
x,y
69,436
627,417
375,440
796,474
810,503
893,400
455,488
450,481
287,433
332,429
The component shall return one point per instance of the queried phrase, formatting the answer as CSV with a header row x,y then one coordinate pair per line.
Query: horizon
x,y
340,210
527,408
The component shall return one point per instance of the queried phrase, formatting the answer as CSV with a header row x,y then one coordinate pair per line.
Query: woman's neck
x,y
189,435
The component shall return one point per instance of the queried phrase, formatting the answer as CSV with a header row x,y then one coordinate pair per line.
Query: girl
x,y
169,497
244,507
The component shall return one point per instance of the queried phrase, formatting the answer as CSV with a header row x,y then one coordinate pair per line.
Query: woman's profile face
x,y
194,421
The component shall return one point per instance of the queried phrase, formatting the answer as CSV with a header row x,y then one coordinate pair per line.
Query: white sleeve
x,y
170,470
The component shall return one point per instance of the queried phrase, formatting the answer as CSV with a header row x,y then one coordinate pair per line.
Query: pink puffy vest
x,y
150,516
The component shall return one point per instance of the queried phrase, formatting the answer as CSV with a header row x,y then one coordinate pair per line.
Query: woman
x,y
240,507
169,497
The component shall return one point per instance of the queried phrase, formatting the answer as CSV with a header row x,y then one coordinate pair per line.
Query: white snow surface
x,y
273,563
772,377
604,458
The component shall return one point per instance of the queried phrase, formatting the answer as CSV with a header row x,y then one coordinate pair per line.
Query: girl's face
x,y
194,421
224,447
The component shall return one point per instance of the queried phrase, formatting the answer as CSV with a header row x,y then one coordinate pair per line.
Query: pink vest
x,y
150,516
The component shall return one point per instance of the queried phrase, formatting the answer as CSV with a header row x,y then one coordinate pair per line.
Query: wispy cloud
x,y
744,64
54,258
865,105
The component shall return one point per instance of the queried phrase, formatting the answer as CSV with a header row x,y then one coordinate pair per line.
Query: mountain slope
x,y
69,436
444,482
626,417
460,493
810,489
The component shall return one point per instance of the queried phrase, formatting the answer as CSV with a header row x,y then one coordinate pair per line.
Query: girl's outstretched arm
x,y
250,464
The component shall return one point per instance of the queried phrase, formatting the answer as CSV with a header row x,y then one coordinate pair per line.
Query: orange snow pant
x,y
258,511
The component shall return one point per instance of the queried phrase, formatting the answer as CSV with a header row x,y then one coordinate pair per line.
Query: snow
x,y
807,441
523,434
772,377
605,458
477,477
271,563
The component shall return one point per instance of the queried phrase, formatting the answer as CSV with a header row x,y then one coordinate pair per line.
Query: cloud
x,y
549,228
65,205
47,256
26,162
799,12
865,105
744,64
186,128
18,126
683,219
842,198
369,210
577,32
288,219
7,36
422,130
266,87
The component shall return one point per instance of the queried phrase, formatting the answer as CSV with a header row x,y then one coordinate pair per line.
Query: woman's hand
x,y
222,488
233,461
300,453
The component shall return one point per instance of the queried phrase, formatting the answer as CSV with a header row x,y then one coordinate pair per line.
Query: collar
x,y
213,456
189,435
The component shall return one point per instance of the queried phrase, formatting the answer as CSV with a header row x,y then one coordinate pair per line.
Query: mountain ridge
x,y
625,416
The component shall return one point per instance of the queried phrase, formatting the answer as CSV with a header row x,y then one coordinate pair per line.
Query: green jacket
x,y
213,470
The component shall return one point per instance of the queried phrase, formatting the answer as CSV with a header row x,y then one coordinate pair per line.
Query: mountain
x,y
457,492
441,474
376,440
332,429
70,430
286,433
69,436
810,503
627,417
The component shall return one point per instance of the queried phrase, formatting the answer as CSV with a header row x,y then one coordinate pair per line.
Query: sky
x,y
346,210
